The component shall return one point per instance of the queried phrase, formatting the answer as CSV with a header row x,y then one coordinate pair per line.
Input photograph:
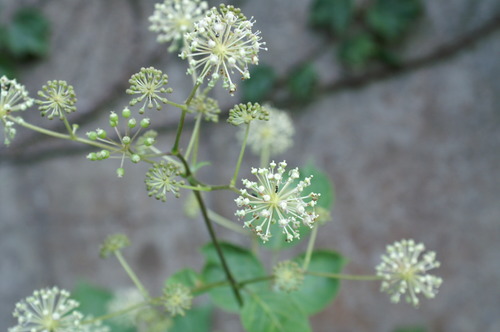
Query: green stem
x,y
310,247
68,127
115,314
240,157
131,274
192,94
175,149
254,280
344,276
181,106
196,188
218,249
59,135
224,222
194,139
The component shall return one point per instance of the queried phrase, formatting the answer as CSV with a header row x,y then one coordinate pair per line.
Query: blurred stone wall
x,y
413,153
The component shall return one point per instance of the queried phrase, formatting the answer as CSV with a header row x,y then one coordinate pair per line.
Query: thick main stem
x,y
225,267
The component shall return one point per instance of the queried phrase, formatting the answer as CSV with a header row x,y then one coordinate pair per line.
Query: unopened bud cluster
x,y
288,276
246,113
161,180
114,243
149,84
58,98
177,298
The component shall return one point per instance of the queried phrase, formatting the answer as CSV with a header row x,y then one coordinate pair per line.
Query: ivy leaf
x,y
302,82
28,33
273,312
93,299
320,183
331,15
197,319
317,292
390,19
260,84
243,265
188,277
357,50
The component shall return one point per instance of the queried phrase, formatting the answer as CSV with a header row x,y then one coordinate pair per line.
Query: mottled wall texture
x,y
413,152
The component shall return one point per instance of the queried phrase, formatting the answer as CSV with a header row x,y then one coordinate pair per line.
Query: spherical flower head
x,y
177,299
404,273
13,97
221,45
47,310
58,98
174,18
160,180
206,106
123,299
148,84
288,276
275,198
274,135
114,243
246,113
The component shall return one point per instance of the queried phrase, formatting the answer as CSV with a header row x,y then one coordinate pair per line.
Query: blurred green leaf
x,y
390,19
318,292
357,50
28,33
302,82
197,319
93,300
273,312
260,84
188,277
331,15
243,264
7,66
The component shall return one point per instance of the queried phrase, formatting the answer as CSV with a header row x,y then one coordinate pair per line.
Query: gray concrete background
x,y
412,154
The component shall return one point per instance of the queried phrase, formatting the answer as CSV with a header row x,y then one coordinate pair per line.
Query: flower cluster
x,y
48,310
246,113
13,97
58,98
123,299
275,198
273,136
221,44
206,106
403,273
114,243
173,18
160,180
288,276
177,299
148,83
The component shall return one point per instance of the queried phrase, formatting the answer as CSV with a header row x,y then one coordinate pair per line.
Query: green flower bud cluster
x,y
58,98
206,106
177,298
148,84
288,276
246,113
145,141
160,180
113,243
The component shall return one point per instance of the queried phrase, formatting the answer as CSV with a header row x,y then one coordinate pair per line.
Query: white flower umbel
x,y
222,44
173,18
276,199
404,274
13,97
48,310
123,299
273,136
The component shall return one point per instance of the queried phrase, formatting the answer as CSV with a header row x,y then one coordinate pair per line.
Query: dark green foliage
x,y
302,83
333,16
260,84
390,19
358,50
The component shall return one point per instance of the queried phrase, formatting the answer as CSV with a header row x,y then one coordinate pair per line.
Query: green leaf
x,y
188,277
260,84
273,312
198,319
320,183
357,50
7,67
317,292
28,33
302,82
390,19
93,299
242,264
331,15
